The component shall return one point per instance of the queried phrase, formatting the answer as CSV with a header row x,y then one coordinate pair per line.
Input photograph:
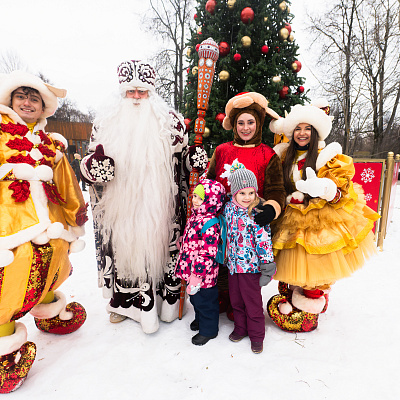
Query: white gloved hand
x,y
324,188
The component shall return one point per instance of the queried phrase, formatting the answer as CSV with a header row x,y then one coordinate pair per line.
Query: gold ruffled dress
x,y
317,244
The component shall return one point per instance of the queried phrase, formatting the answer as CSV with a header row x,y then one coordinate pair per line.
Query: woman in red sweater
x,y
245,114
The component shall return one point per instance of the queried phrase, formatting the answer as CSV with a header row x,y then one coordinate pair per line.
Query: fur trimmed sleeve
x,y
274,190
340,170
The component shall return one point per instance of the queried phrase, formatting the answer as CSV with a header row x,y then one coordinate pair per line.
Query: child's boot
x,y
12,348
57,316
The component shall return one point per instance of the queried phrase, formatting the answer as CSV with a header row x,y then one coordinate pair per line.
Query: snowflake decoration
x,y
368,197
367,175
102,171
199,158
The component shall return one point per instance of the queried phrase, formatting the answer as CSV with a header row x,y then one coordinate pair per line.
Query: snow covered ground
x,y
354,354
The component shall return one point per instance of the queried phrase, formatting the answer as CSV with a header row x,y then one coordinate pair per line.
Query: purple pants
x,y
246,301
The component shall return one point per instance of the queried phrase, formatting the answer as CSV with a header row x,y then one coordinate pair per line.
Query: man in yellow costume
x,y
42,213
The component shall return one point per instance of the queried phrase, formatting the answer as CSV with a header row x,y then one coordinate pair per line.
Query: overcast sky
x,y
78,44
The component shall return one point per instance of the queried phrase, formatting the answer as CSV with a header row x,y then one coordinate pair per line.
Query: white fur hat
x,y
312,115
14,80
136,74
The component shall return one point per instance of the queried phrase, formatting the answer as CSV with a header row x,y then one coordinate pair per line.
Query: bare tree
x,y
10,61
334,31
378,59
359,50
170,20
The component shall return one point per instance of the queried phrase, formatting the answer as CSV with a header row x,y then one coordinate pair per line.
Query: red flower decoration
x,y
46,151
81,215
20,159
21,190
300,164
15,129
44,138
59,145
43,161
20,144
52,193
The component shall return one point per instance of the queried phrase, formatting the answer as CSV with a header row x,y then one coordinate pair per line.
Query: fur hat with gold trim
x,y
310,114
14,80
249,102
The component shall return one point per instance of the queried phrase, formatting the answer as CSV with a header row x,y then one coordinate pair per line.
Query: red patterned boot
x,y
16,359
58,317
299,315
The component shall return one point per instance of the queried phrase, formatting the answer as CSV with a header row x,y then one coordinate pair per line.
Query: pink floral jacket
x,y
198,251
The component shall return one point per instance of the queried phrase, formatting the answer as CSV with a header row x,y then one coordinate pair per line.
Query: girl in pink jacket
x,y
196,262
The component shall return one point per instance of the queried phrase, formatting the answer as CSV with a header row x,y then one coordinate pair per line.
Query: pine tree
x,y
257,54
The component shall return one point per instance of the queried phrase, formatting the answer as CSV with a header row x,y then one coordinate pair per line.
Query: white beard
x,y
137,206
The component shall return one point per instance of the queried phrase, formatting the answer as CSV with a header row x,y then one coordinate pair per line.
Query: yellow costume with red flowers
x,y
329,240
28,217
42,212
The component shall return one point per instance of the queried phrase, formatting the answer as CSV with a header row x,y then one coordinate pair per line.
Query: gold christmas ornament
x,y
283,34
198,29
189,51
265,19
224,75
194,70
206,132
276,79
231,4
291,37
246,41
283,6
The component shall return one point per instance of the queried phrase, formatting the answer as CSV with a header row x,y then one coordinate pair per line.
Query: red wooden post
x,y
208,56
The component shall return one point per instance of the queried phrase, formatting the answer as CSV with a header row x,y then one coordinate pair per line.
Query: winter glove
x,y
197,158
193,285
97,167
268,270
266,215
324,188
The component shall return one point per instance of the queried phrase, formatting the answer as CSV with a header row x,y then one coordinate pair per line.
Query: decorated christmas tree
x,y
257,53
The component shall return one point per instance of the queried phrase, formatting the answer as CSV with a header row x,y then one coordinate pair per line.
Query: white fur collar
x,y
327,154
280,148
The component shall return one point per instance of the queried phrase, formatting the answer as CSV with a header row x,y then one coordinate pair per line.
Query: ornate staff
x,y
208,56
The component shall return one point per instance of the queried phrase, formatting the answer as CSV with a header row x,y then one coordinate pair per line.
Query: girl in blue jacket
x,y
250,258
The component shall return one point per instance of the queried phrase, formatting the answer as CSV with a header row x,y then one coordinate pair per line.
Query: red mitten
x,y
97,167
193,285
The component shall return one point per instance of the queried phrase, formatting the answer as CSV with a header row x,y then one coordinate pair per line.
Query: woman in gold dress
x,y
325,232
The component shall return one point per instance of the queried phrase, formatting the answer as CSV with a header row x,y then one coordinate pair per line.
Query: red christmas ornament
x,y
210,6
300,89
278,50
237,57
187,122
247,15
188,69
199,33
288,27
296,66
224,49
194,16
282,93
197,47
264,49
220,117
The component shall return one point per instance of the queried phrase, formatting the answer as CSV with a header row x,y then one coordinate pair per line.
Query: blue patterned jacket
x,y
249,245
